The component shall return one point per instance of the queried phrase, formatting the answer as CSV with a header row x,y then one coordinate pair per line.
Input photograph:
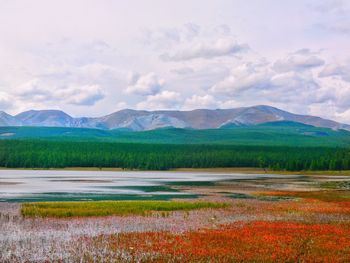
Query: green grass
x,y
344,185
108,208
325,196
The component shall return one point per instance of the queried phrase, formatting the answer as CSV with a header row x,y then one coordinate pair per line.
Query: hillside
x,y
274,133
136,120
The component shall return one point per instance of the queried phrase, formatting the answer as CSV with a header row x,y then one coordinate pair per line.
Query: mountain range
x,y
136,120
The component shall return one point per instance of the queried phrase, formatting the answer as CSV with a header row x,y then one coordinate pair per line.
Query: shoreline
x,y
229,170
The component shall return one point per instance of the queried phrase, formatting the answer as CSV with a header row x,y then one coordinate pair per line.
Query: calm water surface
x,y
38,185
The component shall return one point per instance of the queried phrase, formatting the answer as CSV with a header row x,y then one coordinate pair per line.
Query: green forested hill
x,y
282,145
273,134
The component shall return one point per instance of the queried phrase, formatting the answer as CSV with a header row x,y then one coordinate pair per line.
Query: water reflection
x,y
38,185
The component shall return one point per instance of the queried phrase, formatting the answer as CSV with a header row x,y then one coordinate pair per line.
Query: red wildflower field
x,y
258,241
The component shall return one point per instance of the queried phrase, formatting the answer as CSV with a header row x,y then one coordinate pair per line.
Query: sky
x,y
95,57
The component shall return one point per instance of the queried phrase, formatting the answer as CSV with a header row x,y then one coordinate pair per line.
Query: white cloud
x,y
341,96
162,101
33,90
341,71
86,95
191,42
5,101
121,105
301,60
218,48
40,91
294,87
293,81
286,80
232,103
244,77
164,38
343,116
148,84
200,102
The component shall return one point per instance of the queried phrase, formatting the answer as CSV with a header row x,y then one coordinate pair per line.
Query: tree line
x,y
58,154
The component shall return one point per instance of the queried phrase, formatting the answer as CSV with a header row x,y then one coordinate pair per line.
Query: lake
x,y
52,185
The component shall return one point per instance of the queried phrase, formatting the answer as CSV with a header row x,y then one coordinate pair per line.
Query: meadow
x,y
108,208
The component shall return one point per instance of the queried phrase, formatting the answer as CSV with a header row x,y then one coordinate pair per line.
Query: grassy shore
x,y
108,208
262,171
232,170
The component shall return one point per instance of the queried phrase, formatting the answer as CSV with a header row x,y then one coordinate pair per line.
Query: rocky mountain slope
x,y
149,120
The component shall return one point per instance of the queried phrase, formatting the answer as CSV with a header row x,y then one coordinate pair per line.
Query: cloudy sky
x,y
94,57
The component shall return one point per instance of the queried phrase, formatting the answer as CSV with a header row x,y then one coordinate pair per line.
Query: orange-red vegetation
x,y
312,202
258,241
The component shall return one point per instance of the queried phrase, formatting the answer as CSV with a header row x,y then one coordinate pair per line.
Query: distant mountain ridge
x,y
8,120
136,120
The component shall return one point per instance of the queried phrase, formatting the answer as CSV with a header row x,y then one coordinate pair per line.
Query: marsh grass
x,y
325,196
343,185
109,208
